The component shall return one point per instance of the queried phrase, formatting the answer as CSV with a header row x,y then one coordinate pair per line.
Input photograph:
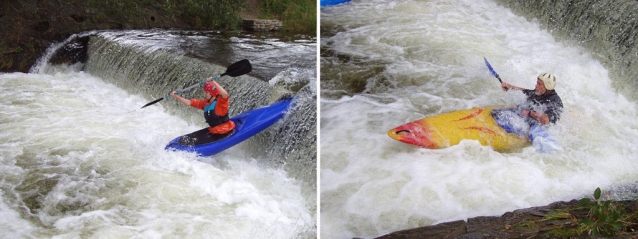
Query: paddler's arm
x,y
181,99
506,86
540,116
222,92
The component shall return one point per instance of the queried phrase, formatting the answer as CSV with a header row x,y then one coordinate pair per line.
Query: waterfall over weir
x,y
151,71
609,28
80,159
153,74
385,63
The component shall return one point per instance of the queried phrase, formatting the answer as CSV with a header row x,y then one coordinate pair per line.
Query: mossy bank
x,y
30,26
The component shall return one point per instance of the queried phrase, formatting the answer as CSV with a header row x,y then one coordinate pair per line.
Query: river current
x,y
386,63
80,159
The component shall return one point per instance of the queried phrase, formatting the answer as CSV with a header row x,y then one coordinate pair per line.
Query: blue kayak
x,y
331,2
512,122
247,124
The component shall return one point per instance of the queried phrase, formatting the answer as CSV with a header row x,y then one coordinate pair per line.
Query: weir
x,y
153,72
608,28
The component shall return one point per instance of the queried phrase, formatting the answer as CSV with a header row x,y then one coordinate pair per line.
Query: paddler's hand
x,y
540,116
180,99
506,86
209,80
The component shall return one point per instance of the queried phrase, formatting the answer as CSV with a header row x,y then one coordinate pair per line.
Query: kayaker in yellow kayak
x,y
543,104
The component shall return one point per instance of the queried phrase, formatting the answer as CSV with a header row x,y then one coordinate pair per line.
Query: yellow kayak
x,y
448,129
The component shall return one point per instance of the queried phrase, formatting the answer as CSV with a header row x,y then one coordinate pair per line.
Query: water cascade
x,y
152,72
79,158
386,63
608,28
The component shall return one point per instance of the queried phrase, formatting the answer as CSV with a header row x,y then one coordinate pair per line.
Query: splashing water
x,y
385,63
78,158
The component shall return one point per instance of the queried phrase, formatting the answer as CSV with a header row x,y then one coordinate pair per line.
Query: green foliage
x,y
526,224
557,215
297,15
605,219
210,14
201,14
123,7
562,233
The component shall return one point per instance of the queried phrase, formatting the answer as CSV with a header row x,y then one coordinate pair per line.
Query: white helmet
x,y
549,80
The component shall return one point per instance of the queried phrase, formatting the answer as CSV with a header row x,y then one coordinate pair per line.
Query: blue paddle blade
x,y
490,67
492,70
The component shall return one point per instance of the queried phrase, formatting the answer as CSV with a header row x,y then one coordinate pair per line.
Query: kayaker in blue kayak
x,y
215,106
543,105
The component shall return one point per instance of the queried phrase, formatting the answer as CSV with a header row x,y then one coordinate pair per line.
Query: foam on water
x,y
432,53
78,158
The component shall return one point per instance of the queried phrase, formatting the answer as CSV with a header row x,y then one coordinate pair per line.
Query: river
x,y
385,63
80,159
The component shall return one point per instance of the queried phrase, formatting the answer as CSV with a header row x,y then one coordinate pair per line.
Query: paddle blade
x,y
153,102
490,67
238,68
492,70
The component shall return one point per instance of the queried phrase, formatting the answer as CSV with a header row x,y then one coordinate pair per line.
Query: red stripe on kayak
x,y
482,129
471,115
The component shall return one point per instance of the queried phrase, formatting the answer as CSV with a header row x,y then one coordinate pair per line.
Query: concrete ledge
x,y
262,25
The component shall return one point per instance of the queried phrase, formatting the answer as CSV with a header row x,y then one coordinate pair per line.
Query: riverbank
x,y
433,63
590,216
557,220
607,29
30,26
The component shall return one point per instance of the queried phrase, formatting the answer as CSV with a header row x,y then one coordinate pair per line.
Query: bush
x,y
605,219
211,14
297,15
201,14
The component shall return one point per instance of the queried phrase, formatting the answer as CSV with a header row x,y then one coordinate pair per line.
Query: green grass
x,y
297,15
562,233
210,14
201,14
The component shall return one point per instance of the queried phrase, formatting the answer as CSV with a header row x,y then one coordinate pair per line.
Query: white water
x,y
372,185
78,158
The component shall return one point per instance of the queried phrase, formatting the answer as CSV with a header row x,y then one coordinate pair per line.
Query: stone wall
x,y
262,25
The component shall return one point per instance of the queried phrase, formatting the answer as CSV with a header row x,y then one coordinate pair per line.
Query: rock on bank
x,y
557,220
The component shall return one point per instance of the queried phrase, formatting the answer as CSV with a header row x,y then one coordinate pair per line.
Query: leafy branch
x,y
604,218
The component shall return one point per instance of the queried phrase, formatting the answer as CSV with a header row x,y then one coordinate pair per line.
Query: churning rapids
x,y
80,159
384,63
